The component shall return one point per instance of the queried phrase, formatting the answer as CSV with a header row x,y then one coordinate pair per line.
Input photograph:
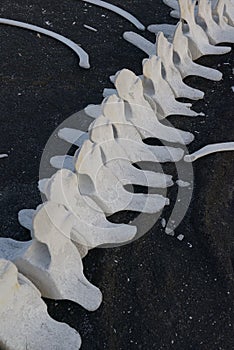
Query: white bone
x,y
74,136
97,181
164,50
51,261
119,11
229,11
121,153
167,29
218,32
25,323
84,57
90,228
108,92
25,217
160,91
184,60
93,111
209,149
140,113
198,41
181,57
113,109
140,42
60,162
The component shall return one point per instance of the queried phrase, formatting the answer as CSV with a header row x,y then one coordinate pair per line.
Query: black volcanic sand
x,y
159,293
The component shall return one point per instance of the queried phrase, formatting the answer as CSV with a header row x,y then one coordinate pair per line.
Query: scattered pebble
x,y
48,23
163,223
169,231
180,237
182,183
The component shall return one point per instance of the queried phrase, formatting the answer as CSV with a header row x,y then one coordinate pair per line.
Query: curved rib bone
x,y
209,149
140,113
25,323
84,58
140,42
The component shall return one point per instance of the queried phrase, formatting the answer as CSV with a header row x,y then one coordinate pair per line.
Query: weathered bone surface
x,y
103,186
51,261
121,153
164,50
114,109
198,41
160,91
227,13
183,59
90,227
218,31
140,112
25,323
25,218
127,141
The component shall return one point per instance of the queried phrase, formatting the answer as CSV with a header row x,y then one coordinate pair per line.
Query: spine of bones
x,y
91,185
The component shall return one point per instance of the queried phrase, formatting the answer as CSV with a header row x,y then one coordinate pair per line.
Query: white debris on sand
x,y
3,156
182,183
119,11
90,28
163,223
